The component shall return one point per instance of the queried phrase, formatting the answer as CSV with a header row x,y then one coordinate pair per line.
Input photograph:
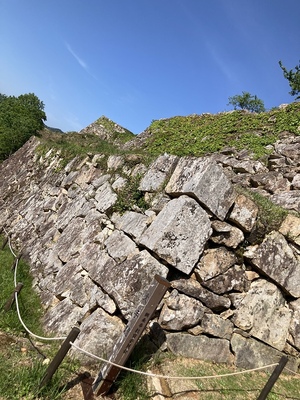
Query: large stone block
x,y
251,353
204,180
200,347
264,314
158,172
180,312
275,258
179,233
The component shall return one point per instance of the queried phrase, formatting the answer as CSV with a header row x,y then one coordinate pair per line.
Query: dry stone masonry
x,y
231,301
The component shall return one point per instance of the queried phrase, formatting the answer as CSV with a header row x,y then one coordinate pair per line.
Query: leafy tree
x,y
246,101
20,118
294,79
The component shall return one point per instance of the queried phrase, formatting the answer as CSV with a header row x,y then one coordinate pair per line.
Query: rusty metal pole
x,y
131,334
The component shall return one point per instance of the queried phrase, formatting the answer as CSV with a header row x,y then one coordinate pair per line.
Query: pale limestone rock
x,y
114,162
251,353
105,197
251,275
276,259
263,313
119,246
290,228
217,326
192,288
126,282
132,223
244,213
296,181
232,279
295,323
158,172
62,317
226,234
200,178
214,262
289,200
98,334
180,312
71,240
200,347
119,183
179,233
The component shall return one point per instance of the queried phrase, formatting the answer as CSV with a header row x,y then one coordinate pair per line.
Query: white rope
x,y
9,243
167,376
117,365
291,371
17,303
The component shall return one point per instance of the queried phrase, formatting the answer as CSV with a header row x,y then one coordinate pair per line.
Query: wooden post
x,y
5,241
60,355
11,300
16,260
131,334
273,378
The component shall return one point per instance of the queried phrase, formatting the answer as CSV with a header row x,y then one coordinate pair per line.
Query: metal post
x,y
60,355
131,334
273,378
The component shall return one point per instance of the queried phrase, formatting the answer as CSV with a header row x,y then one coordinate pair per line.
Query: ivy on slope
x,y
197,135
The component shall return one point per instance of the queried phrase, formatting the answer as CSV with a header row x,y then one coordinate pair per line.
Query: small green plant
x,y
270,216
130,197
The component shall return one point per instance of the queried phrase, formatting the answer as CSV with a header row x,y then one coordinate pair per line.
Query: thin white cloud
x,y
224,65
82,63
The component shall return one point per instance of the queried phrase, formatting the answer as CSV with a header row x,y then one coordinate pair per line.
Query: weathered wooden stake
x,y
273,378
5,241
60,355
131,334
11,300
16,260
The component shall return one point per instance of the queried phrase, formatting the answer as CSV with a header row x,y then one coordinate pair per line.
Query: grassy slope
x,y
198,135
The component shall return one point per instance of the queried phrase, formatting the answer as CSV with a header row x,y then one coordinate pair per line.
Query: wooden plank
x,y
273,378
135,327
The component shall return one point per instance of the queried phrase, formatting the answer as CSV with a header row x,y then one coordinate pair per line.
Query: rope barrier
x,y
17,302
292,372
9,244
121,366
167,376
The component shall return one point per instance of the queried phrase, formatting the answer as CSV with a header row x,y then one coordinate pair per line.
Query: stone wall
x,y
231,301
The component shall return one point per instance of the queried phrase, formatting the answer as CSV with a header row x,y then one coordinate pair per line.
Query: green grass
x,y
270,216
198,135
29,302
239,387
20,378
21,365
235,387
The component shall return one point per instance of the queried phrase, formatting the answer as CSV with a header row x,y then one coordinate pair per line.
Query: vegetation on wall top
x,y
197,135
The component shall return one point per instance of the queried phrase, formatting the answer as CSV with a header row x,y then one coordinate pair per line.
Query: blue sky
x,y
138,60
